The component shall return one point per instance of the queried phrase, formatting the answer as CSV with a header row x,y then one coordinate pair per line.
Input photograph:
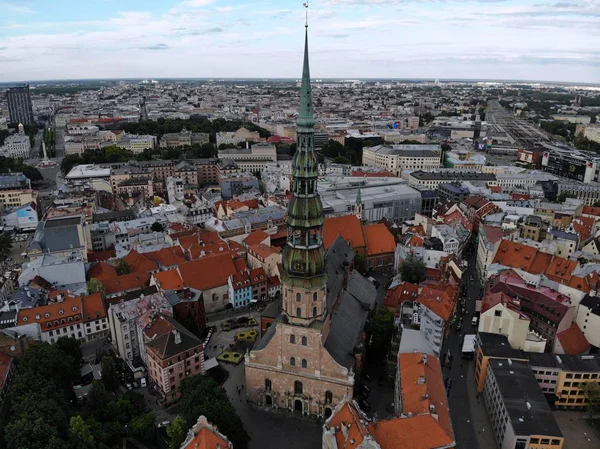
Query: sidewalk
x,y
481,421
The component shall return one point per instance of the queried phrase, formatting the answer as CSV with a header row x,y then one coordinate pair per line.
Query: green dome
x,y
305,212
305,263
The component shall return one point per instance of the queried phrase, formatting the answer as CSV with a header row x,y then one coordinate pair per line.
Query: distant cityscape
x,y
300,263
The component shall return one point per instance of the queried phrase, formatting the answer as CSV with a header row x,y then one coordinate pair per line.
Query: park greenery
x,y
6,244
49,137
122,267
12,165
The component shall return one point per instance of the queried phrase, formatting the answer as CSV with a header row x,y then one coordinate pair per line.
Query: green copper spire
x,y
305,117
303,257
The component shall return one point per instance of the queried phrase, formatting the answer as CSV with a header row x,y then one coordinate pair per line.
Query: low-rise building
x,y
519,413
15,190
403,157
172,354
588,319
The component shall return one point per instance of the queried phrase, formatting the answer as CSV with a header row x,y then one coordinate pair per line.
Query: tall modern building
x,y
307,360
20,109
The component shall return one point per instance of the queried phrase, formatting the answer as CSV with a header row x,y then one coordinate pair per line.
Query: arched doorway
x,y
327,413
298,405
268,400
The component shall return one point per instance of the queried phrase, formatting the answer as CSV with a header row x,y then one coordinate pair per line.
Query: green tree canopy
x,y
6,244
80,436
381,328
201,395
122,267
71,346
176,432
143,427
110,378
94,286
413,270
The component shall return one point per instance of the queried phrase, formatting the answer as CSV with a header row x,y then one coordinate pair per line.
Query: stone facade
x,y
272,374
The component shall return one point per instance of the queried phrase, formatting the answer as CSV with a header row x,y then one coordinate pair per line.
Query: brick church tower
x,y
291,367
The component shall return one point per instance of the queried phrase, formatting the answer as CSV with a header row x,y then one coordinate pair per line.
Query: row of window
x,y
304,340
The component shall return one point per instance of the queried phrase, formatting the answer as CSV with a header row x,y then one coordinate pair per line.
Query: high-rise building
x,y
308,359
20,109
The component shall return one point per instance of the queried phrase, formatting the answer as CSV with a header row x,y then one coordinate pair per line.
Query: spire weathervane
x,y
306,7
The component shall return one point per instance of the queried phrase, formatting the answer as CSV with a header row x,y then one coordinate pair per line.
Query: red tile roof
x,y
438,299
166,257
169,280
126,282
208,272
101,271
348,226
263,251
403,292
379,239
54,315
103,255
590,210
139,262
573,340
256,237
93,307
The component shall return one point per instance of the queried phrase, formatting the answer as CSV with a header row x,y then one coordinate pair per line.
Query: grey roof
x,y
347,325
272,310
452,175
593,303
62,221
264,341
557,233
14,181
165,345
414,341
56,238
527,408
566,362
338,253
496,345
114,215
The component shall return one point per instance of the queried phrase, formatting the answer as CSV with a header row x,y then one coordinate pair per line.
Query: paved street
x,y
468,433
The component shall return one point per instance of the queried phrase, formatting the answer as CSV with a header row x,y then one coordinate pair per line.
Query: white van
x,y
143,382
475,321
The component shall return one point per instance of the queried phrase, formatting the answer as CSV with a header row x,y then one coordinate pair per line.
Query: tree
x,y
360,263
592,396
176,432
70,346
413,269
157,227
122,267
98,397
94,286
6,245
341,160
143,427
70,161
110,378
80,436
381,328
201,395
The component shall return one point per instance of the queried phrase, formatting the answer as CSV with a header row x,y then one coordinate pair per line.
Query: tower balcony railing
x,y
298,241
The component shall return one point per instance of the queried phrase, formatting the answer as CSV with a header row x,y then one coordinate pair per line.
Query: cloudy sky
x,y
477,39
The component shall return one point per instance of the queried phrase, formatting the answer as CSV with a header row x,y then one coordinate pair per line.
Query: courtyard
x,y
576,430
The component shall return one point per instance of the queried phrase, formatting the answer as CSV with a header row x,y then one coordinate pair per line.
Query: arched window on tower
x,y
292,339
328,397
268,384
304,363
299,312
304,341
292,361
315,296
298,297
297,387
314,311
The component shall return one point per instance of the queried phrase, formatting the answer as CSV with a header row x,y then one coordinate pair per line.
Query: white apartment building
x,y
432,327
17,145
174,189
123,322
137,144
588,319
403,157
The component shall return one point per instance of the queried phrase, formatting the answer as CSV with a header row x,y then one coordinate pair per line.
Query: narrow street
x,y
461,408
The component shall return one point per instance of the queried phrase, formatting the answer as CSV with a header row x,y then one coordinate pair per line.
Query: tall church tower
x,y
303,278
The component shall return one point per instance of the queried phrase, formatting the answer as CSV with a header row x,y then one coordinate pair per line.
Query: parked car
x,y
448,382
475,321
365,390
163,424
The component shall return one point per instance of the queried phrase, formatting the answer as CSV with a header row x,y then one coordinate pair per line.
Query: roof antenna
x,y
306,6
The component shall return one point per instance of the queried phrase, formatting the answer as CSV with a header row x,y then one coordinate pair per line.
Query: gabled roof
x,y
256,237
126,282
54,315
169,280
172,343
203,435
166,257
102,271
348,226
405,291
93,307
573,340
379,239
139,262
439,300
208,272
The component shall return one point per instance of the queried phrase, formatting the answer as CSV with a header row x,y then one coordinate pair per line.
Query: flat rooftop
x,y
439,175
526,405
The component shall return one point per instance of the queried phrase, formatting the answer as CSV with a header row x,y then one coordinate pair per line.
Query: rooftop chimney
x,y
177,336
